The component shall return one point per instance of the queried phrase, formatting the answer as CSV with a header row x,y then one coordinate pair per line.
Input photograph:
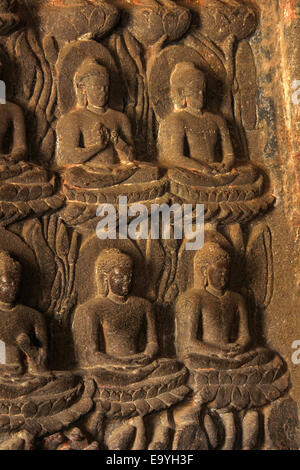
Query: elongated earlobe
x,y
81,96
103,285
204,276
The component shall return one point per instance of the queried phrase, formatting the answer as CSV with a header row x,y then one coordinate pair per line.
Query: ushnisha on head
x,y
188,86
114,271
10,276
91,82
213,262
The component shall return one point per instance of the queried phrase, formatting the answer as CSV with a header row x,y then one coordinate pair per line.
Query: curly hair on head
x,y
9,264
184,73
109,258
210,253
88,68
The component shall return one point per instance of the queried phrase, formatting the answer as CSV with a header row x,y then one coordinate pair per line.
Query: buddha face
x,y
120,279
194,93
96,89
218,274
9,286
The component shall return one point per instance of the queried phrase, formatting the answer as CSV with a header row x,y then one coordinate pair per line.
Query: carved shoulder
x,y
28,311
91,307
13,112
67,121
14,109
142,304
171,121
189,302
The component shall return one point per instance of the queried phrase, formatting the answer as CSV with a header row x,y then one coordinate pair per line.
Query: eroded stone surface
x,y
142,344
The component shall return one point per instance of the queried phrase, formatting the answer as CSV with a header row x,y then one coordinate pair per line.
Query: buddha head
x,y
10,276
212,263
92,82
114,271
188,87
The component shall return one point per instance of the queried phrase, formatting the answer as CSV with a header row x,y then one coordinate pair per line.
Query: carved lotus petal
x,y
29,409
240,379
214,378
257,396
221,19
201,380
125,397
208,393
58,406
240,397
156,403
69,22
44,409
149,21
271,393
152,392
139,394
223,397
254,378
268,377
225,378
142,407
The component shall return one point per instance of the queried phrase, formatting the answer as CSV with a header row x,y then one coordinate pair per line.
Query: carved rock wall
x,y
136,342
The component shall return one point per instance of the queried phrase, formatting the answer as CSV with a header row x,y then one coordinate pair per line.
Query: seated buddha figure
x,y
95,143
25,378
21,181
13,148
116,342
116,316
22,329
214,311
213,338
194,142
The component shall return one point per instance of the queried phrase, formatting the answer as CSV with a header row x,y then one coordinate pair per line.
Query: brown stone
x,y
127,339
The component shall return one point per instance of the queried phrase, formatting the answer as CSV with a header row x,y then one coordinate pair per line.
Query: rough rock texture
x,y
110,340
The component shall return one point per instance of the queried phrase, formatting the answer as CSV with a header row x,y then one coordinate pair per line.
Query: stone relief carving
x,y
135,344
213,340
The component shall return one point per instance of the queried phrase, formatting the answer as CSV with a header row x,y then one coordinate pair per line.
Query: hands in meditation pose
x,y
22,328
108,328
212,321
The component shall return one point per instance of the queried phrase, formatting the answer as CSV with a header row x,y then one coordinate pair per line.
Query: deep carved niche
x,y
134,344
